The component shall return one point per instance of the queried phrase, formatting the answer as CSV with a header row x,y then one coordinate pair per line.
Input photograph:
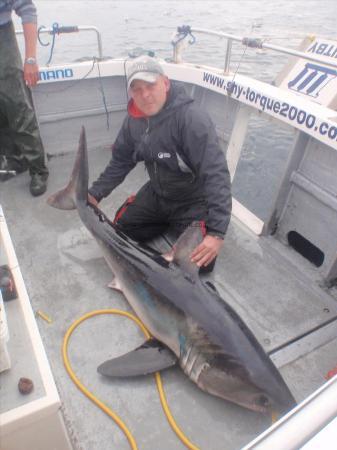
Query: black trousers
x,y
146,215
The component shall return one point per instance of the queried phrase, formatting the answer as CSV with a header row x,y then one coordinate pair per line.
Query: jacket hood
x,y
176,97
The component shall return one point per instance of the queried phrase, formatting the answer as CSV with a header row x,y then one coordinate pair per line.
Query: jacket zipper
x,y
156,172
147,138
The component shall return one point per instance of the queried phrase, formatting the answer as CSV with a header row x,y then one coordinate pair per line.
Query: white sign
x,y
315,81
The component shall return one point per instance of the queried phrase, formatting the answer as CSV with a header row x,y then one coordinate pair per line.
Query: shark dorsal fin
x,y
185,245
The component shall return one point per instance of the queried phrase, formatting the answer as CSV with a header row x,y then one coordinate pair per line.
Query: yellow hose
x,y
99,403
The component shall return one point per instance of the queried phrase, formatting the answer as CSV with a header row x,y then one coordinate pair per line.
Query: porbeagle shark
x,y
190,323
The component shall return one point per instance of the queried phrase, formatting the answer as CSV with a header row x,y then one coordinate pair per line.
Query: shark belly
x,y
163,320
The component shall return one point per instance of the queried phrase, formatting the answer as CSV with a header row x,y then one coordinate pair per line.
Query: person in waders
x,y
21,146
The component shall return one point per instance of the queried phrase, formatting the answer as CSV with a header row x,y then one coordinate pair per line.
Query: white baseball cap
x,y
144,68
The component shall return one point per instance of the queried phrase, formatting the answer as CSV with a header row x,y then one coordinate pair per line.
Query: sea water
x,y
126,24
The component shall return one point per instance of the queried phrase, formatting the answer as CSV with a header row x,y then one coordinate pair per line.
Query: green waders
x,y
20,140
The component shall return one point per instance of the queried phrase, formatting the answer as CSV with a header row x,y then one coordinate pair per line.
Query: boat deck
x,y
274,290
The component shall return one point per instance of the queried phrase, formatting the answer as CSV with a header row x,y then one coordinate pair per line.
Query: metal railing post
x,y
228,55
99,42
258,43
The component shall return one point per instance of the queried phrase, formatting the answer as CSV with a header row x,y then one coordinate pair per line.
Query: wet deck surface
x,y
274,290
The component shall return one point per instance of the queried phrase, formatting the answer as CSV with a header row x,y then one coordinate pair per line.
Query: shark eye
x,y
262,400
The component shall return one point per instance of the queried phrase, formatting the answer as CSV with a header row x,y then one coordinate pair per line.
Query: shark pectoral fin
x,y
185,245
150,357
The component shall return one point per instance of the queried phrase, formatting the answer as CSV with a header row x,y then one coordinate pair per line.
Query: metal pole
x,y
276,48
300,425
75,29
228,55
99,40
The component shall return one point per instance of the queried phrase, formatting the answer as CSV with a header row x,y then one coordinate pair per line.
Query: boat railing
x,y
56,29
185,32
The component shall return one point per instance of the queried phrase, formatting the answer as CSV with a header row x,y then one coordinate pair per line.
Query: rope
x,y
55,30
74,83
231,89
103,95
42,27
183,32
98,402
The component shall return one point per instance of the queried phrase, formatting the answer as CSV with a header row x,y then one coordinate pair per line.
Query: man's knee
x,y
122,209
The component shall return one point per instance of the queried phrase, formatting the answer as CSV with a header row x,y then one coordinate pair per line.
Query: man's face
x,y
150,97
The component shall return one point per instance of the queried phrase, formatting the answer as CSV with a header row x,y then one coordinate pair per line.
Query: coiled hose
x,y
98,402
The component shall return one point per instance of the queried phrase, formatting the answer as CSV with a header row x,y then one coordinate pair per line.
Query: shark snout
x,y
235,390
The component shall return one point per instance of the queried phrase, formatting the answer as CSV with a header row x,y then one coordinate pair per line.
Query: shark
x,y
191,324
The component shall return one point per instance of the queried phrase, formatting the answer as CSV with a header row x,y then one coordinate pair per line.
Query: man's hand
x,y
31,74
207,250
92,200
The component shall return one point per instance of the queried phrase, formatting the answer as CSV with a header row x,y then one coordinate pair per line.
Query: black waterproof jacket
x,y
182,155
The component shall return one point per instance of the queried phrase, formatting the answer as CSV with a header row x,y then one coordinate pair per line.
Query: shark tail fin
x,y
66,197
62,199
